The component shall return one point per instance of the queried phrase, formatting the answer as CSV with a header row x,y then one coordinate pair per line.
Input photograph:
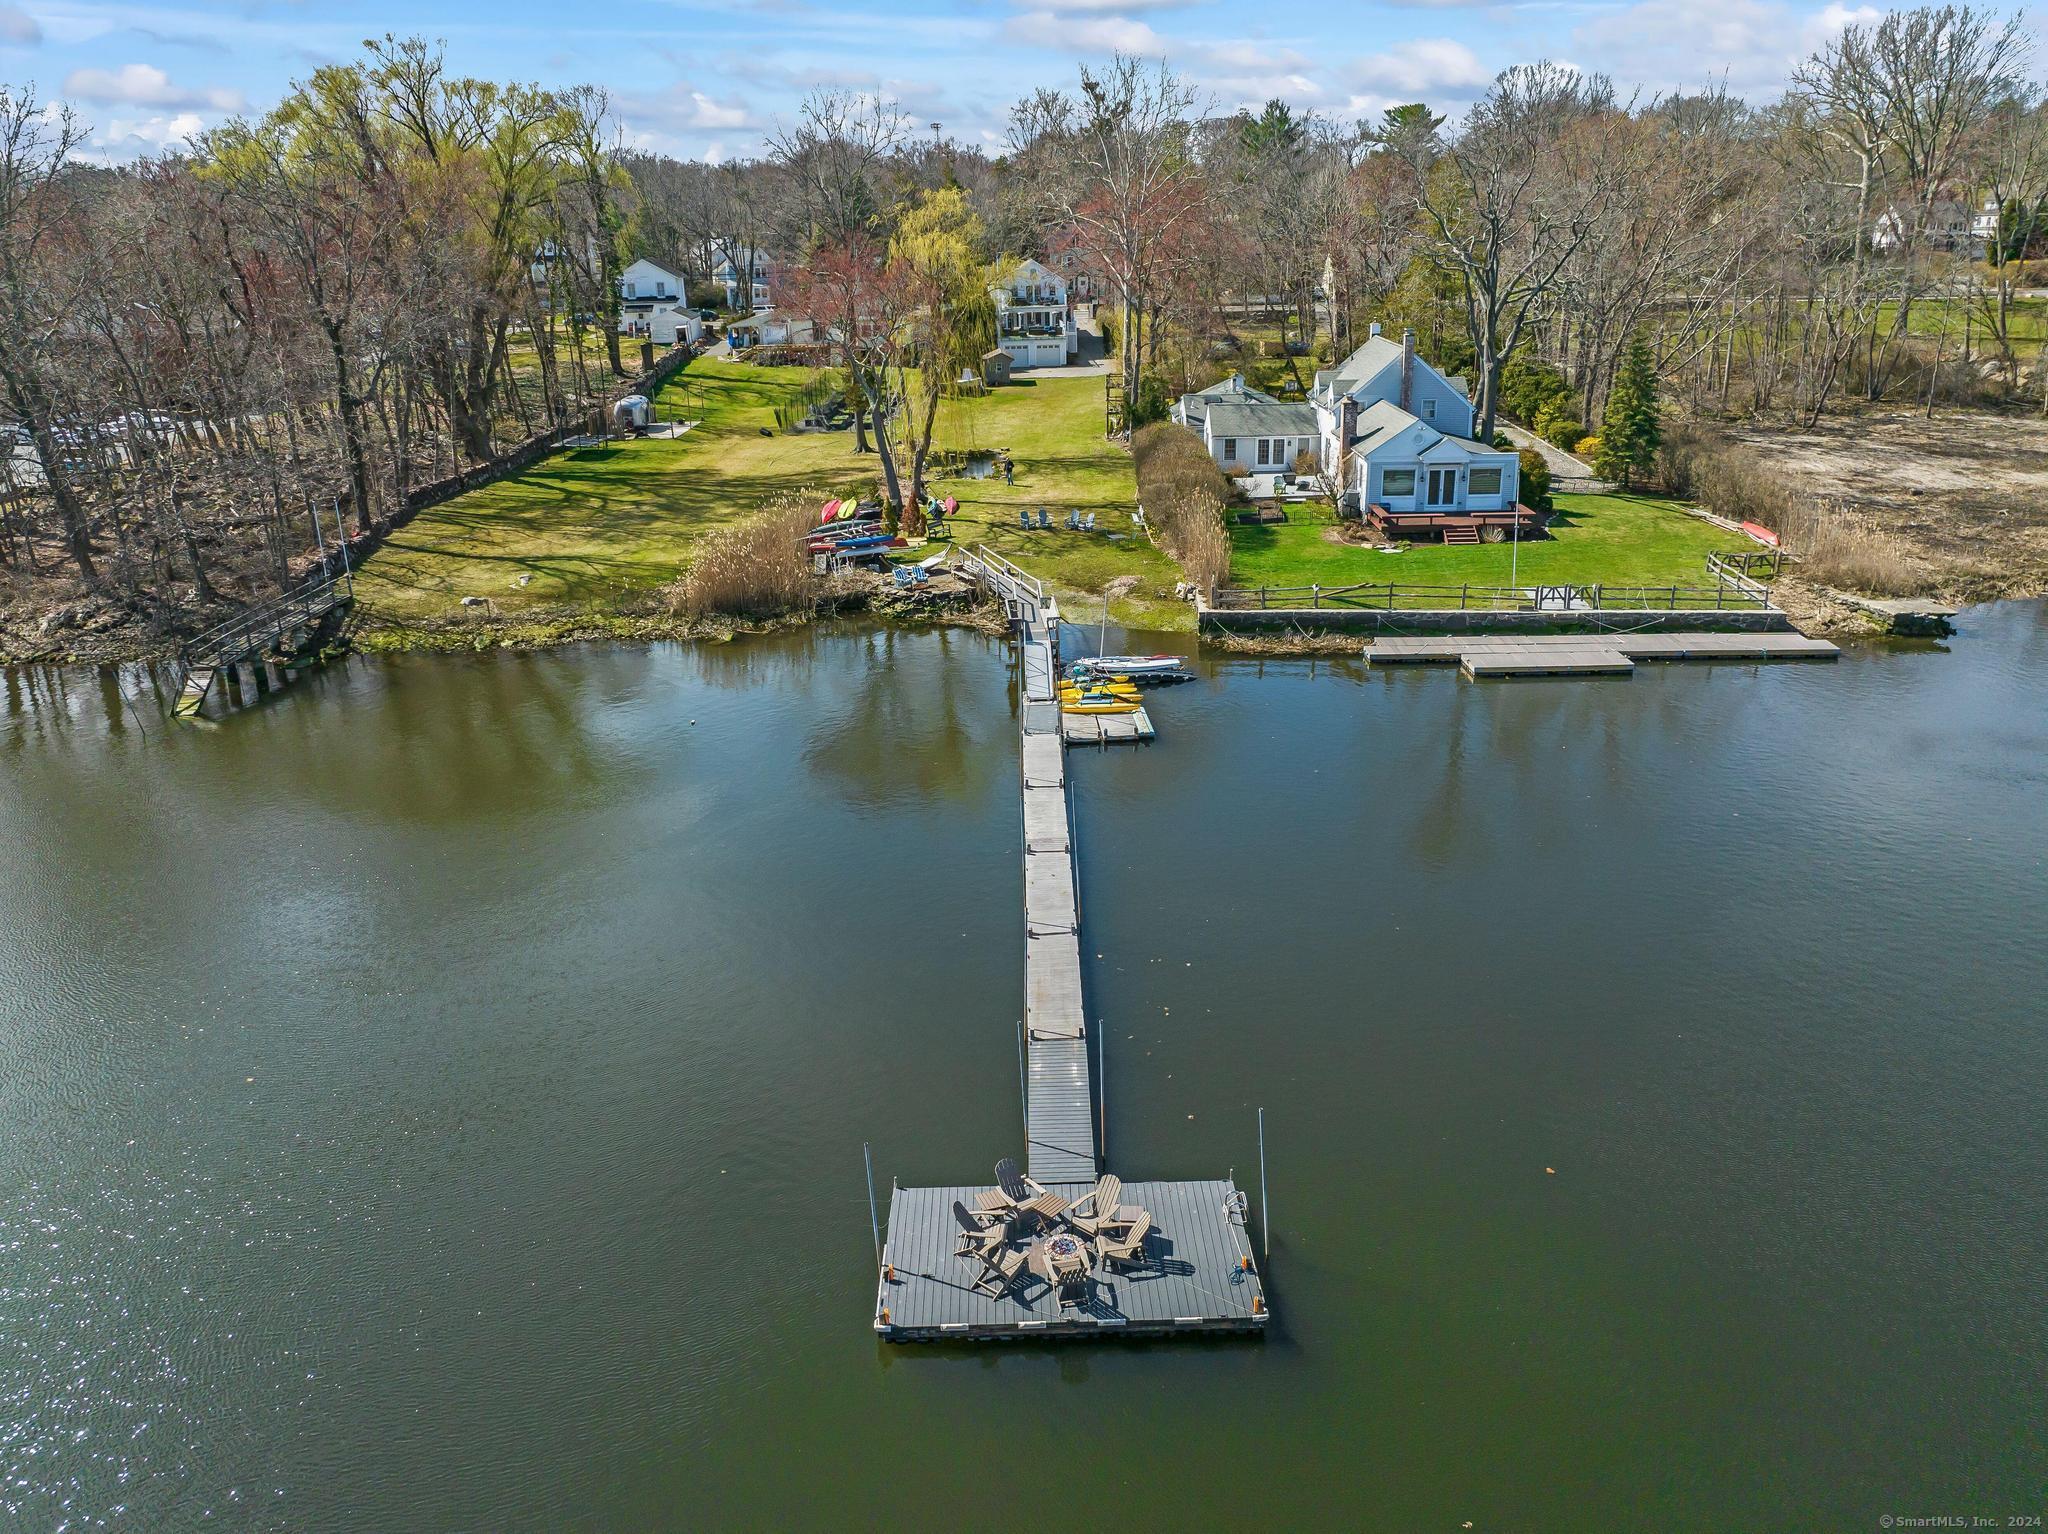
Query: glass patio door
x,y
1443,487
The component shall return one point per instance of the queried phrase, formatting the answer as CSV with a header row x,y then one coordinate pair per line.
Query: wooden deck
x,y
1194,1277
1493,526
1506,655
1106,729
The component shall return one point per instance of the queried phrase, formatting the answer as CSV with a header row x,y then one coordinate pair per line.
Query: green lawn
x,y
1616,540
599,527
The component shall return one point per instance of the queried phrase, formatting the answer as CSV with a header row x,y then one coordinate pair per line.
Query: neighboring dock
x,y
1191,1265
1506,655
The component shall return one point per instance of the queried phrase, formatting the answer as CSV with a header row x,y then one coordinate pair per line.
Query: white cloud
x,y
17,26
144,85
1086,34
1668,45
706,113
1417,67
1838,18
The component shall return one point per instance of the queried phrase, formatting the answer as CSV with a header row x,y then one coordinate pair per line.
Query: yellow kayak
x,y
1098,692
1101,706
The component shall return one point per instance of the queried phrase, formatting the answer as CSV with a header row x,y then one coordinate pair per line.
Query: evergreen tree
x,y
1630,430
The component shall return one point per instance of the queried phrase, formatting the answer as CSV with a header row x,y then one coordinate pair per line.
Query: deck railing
x,y
266,622
993,564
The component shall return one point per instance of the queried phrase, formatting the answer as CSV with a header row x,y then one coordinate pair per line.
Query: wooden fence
x,y
1722,596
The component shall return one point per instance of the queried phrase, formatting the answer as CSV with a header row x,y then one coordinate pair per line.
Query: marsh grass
x,y
756,567
1836,545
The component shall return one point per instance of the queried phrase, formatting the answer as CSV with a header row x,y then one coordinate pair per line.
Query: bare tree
x,y
1512,198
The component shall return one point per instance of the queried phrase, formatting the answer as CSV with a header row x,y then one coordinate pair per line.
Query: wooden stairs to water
x,y
1461,535
192,697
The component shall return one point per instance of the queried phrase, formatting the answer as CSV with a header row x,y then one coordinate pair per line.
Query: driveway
x,y
1566,472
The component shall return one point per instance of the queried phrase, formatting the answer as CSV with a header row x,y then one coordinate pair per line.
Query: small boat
x,y
1097,690
1136,667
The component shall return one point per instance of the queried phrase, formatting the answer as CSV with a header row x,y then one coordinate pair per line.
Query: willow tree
x,y
950,317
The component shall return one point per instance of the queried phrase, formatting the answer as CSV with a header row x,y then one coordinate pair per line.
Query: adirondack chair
x,y
1101,1205
1089,525
1024,518
1044,520
980,1234
1128,1249
1000,1270
1013,1182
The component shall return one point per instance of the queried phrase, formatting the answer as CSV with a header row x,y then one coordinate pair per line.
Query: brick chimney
x,y
1347,423
1408,371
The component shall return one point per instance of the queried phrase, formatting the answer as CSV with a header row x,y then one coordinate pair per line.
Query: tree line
x,y
397,271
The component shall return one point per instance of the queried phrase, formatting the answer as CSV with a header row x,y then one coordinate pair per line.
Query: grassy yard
x,y
1616,540
601,527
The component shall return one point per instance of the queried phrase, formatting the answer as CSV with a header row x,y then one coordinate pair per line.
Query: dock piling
x,y
874,1220
1265,1215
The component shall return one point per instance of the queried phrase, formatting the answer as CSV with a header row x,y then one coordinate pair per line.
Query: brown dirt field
x,y
1967,491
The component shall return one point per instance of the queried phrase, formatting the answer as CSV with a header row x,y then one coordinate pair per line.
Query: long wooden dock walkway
x,y
1198,1274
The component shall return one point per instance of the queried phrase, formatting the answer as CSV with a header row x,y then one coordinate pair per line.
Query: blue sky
x,y
706,78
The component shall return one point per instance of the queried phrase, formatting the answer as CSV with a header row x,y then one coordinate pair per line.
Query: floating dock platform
x,y
1105,729
1502,655
1196,1278
1195,1271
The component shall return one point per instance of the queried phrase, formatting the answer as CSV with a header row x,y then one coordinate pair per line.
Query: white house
x,y
1397,434
664,321
1948,225
727,273
1391,431
1033,323
644,279
771,327
1248,432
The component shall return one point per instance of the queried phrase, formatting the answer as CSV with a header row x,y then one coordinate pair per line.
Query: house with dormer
x,y
1397,440
1033,322
1390,434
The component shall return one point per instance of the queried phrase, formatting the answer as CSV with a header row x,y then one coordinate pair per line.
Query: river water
x,y
435,1099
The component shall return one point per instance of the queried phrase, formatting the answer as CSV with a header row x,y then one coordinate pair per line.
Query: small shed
x,y
995,367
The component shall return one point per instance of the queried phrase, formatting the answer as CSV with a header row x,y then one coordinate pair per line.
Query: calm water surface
x,y
435,1100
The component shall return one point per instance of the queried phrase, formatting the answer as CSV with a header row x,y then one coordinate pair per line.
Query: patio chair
x,y
1128,1249
1024,519
978,1236
993,1201
1001,1266
1088,524
1021,1189
1073,521
1044,520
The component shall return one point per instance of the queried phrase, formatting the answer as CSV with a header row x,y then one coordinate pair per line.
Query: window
x,y
1230,449
1483,482
1397,482
1265,451
1429,410
632,290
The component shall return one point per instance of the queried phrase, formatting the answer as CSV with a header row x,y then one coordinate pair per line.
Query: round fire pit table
x,y
1067,1255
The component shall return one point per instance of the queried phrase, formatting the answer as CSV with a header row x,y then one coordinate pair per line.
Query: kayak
x,y
1108,706
1092,690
